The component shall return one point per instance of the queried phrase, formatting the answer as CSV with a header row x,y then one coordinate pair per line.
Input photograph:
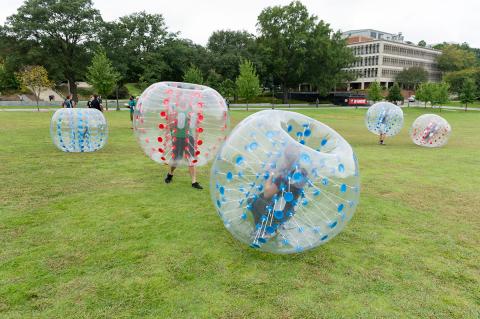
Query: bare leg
x,y
193,173
382,138
172,169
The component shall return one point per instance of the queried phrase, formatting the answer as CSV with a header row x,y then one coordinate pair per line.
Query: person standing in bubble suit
x,y
277,204
382,124
182,124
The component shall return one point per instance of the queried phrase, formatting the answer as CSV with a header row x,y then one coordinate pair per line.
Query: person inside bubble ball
x,y
182,124
381,125
429,131
277,203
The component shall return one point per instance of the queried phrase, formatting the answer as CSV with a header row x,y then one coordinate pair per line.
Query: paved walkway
x,y
237,108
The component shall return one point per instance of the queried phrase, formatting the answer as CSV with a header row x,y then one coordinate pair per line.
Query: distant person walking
x,y
95,103
131,104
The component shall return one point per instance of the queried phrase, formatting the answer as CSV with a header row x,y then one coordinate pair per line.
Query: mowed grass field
x,y
100,235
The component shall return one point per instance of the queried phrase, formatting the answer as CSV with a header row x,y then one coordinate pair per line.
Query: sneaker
x,y
197,185
169,178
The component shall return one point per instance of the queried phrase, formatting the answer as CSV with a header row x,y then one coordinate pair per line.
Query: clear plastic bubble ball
x,y
180,123
284,183
79,130
384,118
430,130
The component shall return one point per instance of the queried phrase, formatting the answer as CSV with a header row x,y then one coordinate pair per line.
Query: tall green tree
x,y
455,58
375,92
456,79
248,83
102,76
61,29
297,48
468,93
193,75
7,77
134,44
229,48
394,94
227,88
440,93
412,77
424,92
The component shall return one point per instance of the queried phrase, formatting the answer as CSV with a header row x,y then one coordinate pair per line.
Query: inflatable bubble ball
x,y
79,130
384,118
430,130
284,183
180,123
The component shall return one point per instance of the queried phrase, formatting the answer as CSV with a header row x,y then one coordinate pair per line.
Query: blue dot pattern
x,y
384,118
285,183
78,130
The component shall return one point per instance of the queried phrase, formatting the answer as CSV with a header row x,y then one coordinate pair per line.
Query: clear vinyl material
x,y
284,183
180,123
78,129
430,130
384,118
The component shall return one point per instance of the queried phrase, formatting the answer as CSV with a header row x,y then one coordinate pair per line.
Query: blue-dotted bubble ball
x,y
384,118
79,129
284,183
180,124
430,130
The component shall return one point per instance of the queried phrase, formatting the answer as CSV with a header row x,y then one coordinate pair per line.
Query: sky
x,y
434,21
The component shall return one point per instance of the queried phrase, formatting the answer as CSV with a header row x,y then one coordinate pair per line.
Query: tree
x,y
422,43
229,48
35,78
62,30
424,93
102,76
227,88
248,84
213,79
455,58
456,79
468,93
7,77
394,94
412,77
375,92
193,75
440,93
297,48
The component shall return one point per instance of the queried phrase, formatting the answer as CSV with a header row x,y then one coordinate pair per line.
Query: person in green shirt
x,y
183,141
131,104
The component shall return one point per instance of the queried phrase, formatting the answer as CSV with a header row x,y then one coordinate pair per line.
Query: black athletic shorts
x,y
180,145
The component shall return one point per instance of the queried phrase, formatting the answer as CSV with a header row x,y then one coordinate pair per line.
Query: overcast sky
x,y
431,20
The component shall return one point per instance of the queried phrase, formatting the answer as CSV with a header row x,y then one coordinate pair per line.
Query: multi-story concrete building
x,y
381,56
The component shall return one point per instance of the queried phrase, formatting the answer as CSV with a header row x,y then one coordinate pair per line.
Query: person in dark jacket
x,y
95,103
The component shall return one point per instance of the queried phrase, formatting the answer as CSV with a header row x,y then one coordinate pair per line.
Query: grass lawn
x,y
100,235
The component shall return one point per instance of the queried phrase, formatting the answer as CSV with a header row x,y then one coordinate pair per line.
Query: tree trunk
x,y
466,107
285,93
118,106
73,88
